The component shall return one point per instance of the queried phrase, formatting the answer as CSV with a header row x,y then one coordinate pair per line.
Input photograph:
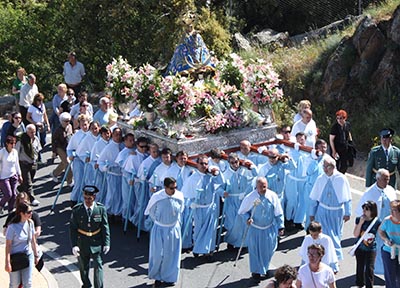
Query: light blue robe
x,y
330,202
238,185
294,188
141,189
262,234
180,174
113,198
130,170
99,180
83,151
206,211
165,236
77,164
313,171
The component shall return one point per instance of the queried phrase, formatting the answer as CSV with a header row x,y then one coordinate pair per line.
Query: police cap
x,y
90,190
386,133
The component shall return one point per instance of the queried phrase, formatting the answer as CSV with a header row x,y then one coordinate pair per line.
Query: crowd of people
x,y
248,198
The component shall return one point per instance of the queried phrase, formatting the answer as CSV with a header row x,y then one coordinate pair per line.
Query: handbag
x,y
20,260
355,246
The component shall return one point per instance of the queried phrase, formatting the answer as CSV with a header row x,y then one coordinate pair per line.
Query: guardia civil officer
x,y
383,156
90,235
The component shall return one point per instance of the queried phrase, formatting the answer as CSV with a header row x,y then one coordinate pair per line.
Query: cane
x,y
141,201
228,186
192,206
61,186
129,200
255,204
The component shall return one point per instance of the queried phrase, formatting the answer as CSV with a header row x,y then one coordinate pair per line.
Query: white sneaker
x,y
35,203
54,178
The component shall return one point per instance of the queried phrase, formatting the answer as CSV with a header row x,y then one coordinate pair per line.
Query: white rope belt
x,y
329,207
261,227
296,179
114,173
194,205
165,225
236,195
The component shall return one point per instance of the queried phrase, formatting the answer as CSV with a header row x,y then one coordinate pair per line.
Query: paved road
x,y
126,264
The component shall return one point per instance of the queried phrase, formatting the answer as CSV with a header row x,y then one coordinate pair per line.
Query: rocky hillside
x,y
362,76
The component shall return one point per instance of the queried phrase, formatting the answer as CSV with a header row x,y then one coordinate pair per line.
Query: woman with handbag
x,y
366,228
21,251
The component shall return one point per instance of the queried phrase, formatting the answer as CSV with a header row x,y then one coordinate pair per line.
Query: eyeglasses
x,y
28,212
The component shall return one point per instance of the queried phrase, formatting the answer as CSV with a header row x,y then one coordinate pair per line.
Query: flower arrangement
x,y
221,102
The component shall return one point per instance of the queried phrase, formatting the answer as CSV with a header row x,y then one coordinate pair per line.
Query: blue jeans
x,y
392,270
24,275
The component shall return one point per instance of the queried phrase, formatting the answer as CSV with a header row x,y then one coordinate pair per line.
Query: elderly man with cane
x,y
264,214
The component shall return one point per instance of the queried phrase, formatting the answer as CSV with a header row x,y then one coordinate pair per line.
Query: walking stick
x,y
141,201
255,204
193,206
129,200
221,224
103,184
61,186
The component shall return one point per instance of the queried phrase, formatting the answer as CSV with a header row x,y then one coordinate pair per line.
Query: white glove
x,y
296,146
261,149
75,251
193,205
106,249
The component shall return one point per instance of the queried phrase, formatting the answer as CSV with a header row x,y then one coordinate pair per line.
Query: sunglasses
x,y
285,132
17,117
143,146
70,94
28,212
172,188
203,163
339,118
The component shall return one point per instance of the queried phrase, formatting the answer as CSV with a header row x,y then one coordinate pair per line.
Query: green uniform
x,y
377,159
90,234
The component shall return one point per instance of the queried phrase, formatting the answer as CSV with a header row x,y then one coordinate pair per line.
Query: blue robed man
x,y
165,208
331,202
262,210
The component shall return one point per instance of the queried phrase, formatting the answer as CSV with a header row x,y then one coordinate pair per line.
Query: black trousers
x,y
365,268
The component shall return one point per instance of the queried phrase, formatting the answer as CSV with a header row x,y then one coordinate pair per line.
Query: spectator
x,y
20,238
17,127
321,274
17,85
27,92
10,174
57,99
389,231
59,141
28,150
285,277
308,126
73,73
83,96
303,104
37,115
4,129
83,110
339,139
366,250
67,104
103,113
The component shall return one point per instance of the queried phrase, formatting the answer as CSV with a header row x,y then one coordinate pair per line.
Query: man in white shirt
x,y
73,73
27,92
